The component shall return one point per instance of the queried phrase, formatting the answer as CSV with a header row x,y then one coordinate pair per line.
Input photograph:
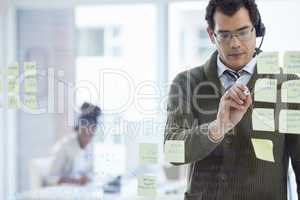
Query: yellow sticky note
x,y
30,101
13,70
174,151
263,149
291,62
12,86
263,119
30,69
148,153
30,85
147,186
265,90
12,101
290,91
268,63
289,121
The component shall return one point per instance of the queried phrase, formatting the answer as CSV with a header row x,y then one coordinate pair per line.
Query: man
x,y
212,113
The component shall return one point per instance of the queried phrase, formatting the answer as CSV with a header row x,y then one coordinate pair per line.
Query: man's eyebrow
x,y
226,31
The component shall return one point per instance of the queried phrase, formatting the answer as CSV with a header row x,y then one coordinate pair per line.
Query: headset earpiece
x,y
260,27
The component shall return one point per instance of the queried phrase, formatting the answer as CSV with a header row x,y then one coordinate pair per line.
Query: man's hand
x,y
233,105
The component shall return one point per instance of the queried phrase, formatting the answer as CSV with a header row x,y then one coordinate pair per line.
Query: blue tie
x,y
233,75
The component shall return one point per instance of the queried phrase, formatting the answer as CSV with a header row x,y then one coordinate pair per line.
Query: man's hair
x,y
229,8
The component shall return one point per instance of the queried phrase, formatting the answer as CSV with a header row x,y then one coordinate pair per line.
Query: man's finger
x,y
235,97
235,105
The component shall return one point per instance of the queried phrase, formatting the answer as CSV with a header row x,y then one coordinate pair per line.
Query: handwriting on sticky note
x,y
290,91
147,186
268,63
30,69
12,101
30,85
265,90
289,121
174,151
291,62
263,119
148,153
30,101
263,149
13,70
12,86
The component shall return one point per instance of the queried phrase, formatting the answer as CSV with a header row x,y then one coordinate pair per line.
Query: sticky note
x,y
268,63
290,91
13,70
265,90
263,119
12,86
12,101
148,153
174,151
30,69
147,186
291,62
30,101
30,85
289,121
263,149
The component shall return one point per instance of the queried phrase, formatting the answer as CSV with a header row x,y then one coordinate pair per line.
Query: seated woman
x,y
72,161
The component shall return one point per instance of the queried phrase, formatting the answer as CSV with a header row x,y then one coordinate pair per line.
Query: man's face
x,y
235,53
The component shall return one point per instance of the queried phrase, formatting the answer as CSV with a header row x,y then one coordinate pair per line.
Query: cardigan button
x,y
223,177
228,140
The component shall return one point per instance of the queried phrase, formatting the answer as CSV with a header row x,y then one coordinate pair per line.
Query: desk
x,y
68,192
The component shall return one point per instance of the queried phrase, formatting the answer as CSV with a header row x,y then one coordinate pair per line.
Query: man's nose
x,y
235,43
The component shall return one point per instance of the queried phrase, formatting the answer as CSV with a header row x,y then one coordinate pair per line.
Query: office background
x,y
149,41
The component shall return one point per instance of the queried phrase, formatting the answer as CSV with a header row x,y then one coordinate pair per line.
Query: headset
x,y
260,32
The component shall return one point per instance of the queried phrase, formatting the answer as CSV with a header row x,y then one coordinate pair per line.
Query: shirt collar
x,y
248,67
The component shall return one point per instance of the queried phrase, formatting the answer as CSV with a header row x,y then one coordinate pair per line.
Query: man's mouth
x,y
235,55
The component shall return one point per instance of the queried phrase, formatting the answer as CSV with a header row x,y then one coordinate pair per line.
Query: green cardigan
x,y
228,169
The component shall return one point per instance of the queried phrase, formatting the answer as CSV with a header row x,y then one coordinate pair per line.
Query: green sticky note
x,y
289,121
174,151
290,91
12,101
148,153
263,119
146,186
30,69
268,63
30,101
12,86
263,149
291,62
13,70
30,85
265,90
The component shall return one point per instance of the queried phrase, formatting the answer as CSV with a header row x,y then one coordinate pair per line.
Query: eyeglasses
x,y
242,35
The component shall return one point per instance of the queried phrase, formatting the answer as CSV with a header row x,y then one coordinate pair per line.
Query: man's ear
x,y
211,34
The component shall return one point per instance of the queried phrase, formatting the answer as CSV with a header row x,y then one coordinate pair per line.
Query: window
x,y
189,44
116,54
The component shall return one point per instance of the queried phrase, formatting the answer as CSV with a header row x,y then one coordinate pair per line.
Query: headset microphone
x,y
260,32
